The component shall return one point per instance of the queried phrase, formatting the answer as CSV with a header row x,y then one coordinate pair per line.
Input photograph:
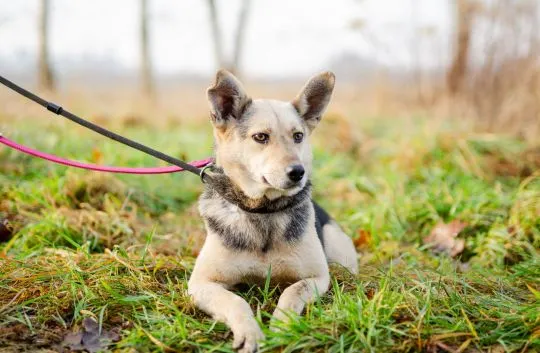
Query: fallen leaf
x,y
89,339
97,156
443,238
363,239
370,293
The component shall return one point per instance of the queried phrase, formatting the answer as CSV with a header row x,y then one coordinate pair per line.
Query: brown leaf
x,y
97,156
363,239
443,238
89,339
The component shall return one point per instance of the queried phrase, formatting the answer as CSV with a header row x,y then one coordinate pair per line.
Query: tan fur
x,y
339,248
259,171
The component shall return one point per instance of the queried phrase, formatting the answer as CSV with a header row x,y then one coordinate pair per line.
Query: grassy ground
x,y
120,248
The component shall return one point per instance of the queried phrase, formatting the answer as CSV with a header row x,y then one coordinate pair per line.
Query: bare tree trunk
x,y
240,35
216,34
234,64
458,69
146,60
45,75
416,47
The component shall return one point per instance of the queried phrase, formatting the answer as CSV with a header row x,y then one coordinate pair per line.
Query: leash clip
x,y
201,174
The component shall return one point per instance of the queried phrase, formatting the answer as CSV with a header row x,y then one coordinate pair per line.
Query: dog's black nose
x,y
295,172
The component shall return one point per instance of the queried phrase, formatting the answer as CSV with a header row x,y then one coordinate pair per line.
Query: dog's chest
x,y
243,247
284,262
243,231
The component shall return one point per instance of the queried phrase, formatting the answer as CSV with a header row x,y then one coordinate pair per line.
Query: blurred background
x,y
137,59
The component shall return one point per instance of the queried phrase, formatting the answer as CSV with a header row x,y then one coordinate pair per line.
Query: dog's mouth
x,y
288,188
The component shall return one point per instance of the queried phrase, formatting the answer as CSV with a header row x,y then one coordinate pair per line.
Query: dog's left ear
x,y
313,99
227,98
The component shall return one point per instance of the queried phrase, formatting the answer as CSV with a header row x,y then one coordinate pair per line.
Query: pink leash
x,y
100,168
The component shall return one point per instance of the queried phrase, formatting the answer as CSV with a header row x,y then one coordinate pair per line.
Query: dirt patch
x,y
88,338
19,338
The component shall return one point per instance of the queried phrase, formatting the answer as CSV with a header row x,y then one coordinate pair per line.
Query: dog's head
x,y
263,145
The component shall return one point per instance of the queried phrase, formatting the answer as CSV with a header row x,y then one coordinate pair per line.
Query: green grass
x,y
120,248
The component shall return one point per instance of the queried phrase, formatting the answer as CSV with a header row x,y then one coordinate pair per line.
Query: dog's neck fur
x,y
246,224
223,186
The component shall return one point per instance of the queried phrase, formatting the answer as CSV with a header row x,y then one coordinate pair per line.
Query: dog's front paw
x,y
247,337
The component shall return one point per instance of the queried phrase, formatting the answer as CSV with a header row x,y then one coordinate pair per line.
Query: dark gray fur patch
x,y
232,238
321,219
262,229
297,225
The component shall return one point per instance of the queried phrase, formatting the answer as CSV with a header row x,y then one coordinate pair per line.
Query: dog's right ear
x,y
227,98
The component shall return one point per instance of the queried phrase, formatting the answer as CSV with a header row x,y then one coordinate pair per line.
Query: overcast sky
x,y
283,36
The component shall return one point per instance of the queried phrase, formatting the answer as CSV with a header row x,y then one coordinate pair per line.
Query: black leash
x,y
52,107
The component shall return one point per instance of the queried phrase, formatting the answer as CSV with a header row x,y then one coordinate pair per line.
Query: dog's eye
x,y
298,137
261,137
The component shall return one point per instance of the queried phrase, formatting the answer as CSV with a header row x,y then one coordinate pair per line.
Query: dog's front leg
x,y
295,297
223,305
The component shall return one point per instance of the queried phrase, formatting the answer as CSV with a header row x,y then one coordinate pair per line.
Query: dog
x,y
258,212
